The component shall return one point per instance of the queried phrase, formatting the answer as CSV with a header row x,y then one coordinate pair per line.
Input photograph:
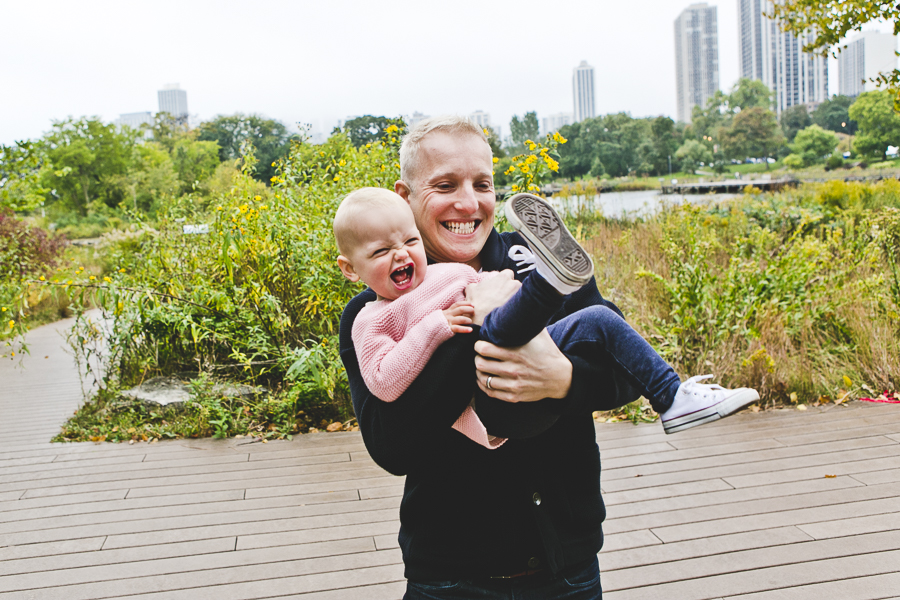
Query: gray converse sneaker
x,y
551,242
698,403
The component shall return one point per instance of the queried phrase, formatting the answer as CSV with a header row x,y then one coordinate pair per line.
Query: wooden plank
x,y
750,560
855,525
876,587
798,517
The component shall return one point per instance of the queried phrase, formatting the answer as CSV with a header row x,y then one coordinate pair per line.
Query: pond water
x,y
629,205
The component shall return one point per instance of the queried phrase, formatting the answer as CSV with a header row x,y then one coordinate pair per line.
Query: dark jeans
x,y
583,584
593,333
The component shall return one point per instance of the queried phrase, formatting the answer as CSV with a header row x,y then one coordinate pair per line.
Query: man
x,y
477,522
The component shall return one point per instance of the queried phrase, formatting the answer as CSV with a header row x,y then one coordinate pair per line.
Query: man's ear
x,y
402,189
346,268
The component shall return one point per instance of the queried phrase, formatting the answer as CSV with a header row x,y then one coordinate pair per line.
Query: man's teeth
x,y
460,228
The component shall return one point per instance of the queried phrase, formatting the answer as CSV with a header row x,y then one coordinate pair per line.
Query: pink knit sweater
x,y
394,339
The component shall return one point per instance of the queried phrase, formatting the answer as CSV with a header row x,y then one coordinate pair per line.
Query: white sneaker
x,y
698,403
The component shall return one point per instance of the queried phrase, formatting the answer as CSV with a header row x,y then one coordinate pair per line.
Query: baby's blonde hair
x,y
348,223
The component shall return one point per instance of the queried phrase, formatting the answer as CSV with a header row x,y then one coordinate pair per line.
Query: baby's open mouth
x,y
461,227
403,275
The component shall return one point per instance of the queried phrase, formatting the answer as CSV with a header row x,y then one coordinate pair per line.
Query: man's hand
x,y
487,295
458,316
528,373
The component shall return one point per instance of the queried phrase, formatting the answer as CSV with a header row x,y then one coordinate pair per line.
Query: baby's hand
x,y
459,315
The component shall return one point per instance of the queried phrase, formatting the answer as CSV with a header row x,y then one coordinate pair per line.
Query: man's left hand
x,y
528,373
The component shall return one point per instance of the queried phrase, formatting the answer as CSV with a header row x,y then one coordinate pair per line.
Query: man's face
x,y
453,200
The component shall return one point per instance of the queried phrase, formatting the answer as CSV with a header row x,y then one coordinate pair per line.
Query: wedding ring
x,y
487,383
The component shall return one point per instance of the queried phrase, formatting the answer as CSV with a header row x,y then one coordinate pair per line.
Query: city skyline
x,y
300,82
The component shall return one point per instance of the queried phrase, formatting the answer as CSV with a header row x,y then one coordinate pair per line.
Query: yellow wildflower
x,y
243,208
342,162
337,178
368,145
391,129
496,160
515,188
257,198
91,278
4,309
121,270
107,280
263,206
12,324
42,278
525,168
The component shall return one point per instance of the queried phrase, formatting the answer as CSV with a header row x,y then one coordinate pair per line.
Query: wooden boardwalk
x,y
771,506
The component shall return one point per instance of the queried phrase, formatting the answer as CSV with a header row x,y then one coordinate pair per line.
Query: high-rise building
x,y
480,118
777,59
583,91
135,120
696,57
865,56
555,122
414,118
173,100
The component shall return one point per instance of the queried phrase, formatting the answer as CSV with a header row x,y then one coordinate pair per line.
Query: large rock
x,y
166,391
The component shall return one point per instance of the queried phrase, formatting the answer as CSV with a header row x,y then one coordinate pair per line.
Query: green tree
x,y
525,129
814,144
269,137
831,20
495,142
834,115
794,119
20,174
149,180
879,123
194,161
754,132
86,157
705,122
168,130
662,143
368,129
749,93
691,154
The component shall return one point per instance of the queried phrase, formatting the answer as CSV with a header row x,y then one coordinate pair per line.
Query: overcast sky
x,y
316,62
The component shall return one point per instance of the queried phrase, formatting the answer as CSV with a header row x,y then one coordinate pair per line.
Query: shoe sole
x,y
545,232
741,398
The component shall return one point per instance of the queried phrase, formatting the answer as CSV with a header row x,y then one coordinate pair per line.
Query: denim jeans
x,y
593,333
584,584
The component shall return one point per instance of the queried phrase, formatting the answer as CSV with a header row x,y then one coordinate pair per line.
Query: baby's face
x,y
389,255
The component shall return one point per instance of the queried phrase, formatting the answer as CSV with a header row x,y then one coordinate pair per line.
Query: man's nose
x,y
466,200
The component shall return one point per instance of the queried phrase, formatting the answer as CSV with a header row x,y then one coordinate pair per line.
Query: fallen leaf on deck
x,y
334,427
801,407
830,476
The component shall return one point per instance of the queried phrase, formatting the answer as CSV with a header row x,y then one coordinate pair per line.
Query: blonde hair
x,y
409,147
347,224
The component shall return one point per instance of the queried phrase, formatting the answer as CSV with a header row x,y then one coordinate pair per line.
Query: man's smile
x,y
461,227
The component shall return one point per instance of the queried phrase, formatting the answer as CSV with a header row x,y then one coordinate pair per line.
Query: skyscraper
x,y
696,57
867,55
555,122
777,59
173,100
583,91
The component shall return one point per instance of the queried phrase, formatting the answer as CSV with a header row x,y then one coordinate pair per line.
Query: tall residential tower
x,y
583,91
777,59
173,100
867,55
696,58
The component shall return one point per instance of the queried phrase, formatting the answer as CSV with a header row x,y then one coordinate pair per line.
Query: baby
x,y
419,306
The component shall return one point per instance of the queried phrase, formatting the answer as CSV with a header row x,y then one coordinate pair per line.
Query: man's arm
x,y
400,435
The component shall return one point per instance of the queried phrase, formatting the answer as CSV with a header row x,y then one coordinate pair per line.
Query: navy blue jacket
x,y
469,512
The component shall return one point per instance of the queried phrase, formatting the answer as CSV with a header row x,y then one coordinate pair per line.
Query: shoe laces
x,y
524,258
697,389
